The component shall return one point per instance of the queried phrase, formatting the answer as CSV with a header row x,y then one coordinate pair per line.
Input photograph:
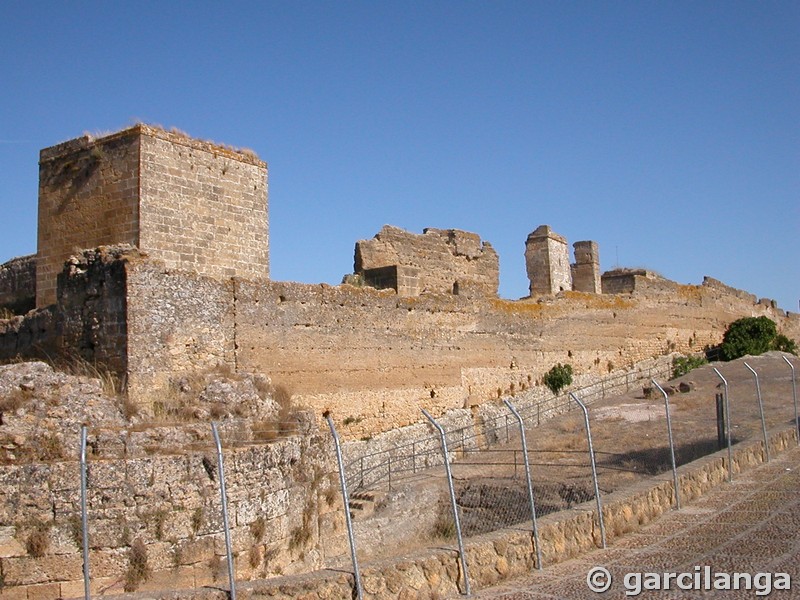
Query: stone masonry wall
x,y
445,258
284,514
178,323
88,197
375,358
18,284
193,204
366,354
203,207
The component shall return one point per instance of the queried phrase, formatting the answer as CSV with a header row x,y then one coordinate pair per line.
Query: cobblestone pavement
x,y
751,525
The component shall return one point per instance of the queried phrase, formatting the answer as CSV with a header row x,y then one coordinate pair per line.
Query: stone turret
x,y
586,269
547,262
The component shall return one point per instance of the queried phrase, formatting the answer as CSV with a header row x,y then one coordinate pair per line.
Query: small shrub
x,y
753,336
38,541
198,516
302,534
784,344
443,529
50,447
138,569
330,495
177,556
681,365
559,377
75,525
217,567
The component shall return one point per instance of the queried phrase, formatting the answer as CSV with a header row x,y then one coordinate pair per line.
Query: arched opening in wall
x,y
455,288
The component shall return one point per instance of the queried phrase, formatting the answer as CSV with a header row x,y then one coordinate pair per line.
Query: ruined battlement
x,y
443,261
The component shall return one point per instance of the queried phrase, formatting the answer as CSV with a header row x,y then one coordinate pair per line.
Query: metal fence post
x,y
225,524
346,499
727,423
594,468
794,397
461,553
761,410
513,410
671,447
84,517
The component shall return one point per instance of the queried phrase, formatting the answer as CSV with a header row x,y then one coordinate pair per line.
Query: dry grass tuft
x,y
138,568
38,542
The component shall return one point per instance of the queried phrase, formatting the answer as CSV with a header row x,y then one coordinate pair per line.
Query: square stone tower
x,y
586,270
195,205
547,262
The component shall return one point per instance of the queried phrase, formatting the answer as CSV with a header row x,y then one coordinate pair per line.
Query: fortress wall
x,y
368,355
178,323
284,513
88,197
203,207
92,307
445,258
375,358
18,284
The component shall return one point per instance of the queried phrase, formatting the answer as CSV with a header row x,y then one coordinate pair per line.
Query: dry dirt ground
x,y
630,440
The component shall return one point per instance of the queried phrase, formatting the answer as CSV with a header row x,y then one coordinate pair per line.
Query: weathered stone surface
x,y
438,261
18,284
586,269
547,262
192,204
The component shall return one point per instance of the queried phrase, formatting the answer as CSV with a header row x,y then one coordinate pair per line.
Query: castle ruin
x,y
153,261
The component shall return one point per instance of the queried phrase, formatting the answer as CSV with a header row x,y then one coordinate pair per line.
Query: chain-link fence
x,y
631,444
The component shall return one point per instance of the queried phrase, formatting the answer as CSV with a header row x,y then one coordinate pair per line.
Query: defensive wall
x,y
368,355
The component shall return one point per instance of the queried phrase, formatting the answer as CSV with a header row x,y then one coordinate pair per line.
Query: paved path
x,y
749,526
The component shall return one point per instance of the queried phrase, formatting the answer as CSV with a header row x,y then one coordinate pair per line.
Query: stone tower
x,y
586,270
547,262
195,205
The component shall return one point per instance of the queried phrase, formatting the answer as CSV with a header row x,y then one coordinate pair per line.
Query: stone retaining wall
x,y
509,553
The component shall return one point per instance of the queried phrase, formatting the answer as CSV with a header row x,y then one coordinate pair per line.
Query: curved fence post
x,y
761,410
671,446
794,398
84,517
727,423
452,500
346,499
594,468
225,524
513,410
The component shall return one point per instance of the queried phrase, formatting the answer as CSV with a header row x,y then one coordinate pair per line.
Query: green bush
x,y
753,335
557,378
681,365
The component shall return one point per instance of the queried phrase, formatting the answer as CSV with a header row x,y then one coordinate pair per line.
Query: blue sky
x,y
669,132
